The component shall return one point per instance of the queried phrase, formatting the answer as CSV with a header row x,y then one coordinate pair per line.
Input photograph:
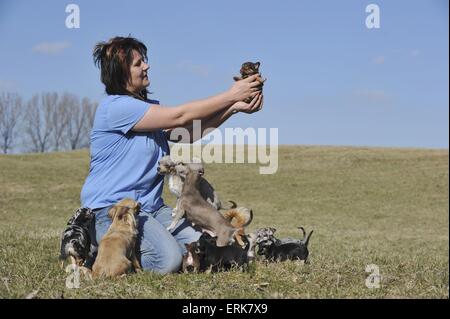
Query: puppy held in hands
x,y
249,69
117,252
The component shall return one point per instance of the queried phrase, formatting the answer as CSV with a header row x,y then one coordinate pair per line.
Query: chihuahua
x,y
116,252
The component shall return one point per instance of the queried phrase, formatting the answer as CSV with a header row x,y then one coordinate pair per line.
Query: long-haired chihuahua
x,y
117,252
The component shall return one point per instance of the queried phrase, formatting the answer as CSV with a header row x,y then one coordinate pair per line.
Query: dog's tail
x,y
303,231
249,219
233,205
306,240
240,217
63,253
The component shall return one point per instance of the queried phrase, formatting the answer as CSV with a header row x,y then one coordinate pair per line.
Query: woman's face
x,y
138,74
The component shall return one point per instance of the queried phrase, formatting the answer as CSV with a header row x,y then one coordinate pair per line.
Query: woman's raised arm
x,y
159,117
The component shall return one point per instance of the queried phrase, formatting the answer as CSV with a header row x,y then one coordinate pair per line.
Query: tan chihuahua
x,y
116,252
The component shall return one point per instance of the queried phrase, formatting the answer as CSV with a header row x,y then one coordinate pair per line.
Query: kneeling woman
x,y
129,137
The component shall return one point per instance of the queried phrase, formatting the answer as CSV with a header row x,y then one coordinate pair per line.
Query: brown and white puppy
x,y
191,261
239,217
198,211
116,252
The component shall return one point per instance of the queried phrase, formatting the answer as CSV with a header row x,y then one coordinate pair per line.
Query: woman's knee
x,y
159,250
165,262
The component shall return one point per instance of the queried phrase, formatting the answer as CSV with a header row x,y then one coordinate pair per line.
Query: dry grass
x,y
387,207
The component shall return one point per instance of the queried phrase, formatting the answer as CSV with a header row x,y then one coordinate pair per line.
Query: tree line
x,y
46,122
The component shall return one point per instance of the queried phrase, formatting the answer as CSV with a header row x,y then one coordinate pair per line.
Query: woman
x,y
129,137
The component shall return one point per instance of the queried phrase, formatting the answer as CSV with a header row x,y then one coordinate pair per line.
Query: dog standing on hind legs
x,y
167,167
198,211
117,249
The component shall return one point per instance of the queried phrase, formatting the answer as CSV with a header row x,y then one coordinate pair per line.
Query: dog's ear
x,y
181,170
212,240
206,238
79,212
206,235
137,208
165,159
112,212
196,166
90,214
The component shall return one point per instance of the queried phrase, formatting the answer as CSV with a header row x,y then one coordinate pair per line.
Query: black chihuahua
x,y
226,257
275,249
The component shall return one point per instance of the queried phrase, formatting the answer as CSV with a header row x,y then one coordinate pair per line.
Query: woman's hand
x,y
254,106
245,88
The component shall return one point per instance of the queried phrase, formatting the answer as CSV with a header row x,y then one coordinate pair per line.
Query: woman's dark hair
x,y
114,59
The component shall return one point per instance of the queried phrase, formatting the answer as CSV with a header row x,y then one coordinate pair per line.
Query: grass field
x,y
387,207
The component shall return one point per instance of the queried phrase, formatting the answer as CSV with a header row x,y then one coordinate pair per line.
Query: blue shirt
x,y
124,163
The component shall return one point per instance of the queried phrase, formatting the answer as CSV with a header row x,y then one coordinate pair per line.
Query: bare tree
x,y
38,120
10,112
75,120
60,118
80,121
89,109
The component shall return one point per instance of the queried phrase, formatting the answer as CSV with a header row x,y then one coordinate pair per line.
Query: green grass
x,y
387,207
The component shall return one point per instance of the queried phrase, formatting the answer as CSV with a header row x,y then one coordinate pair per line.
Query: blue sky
x,y
331,80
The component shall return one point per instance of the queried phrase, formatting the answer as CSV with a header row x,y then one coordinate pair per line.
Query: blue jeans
x,y
159,250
